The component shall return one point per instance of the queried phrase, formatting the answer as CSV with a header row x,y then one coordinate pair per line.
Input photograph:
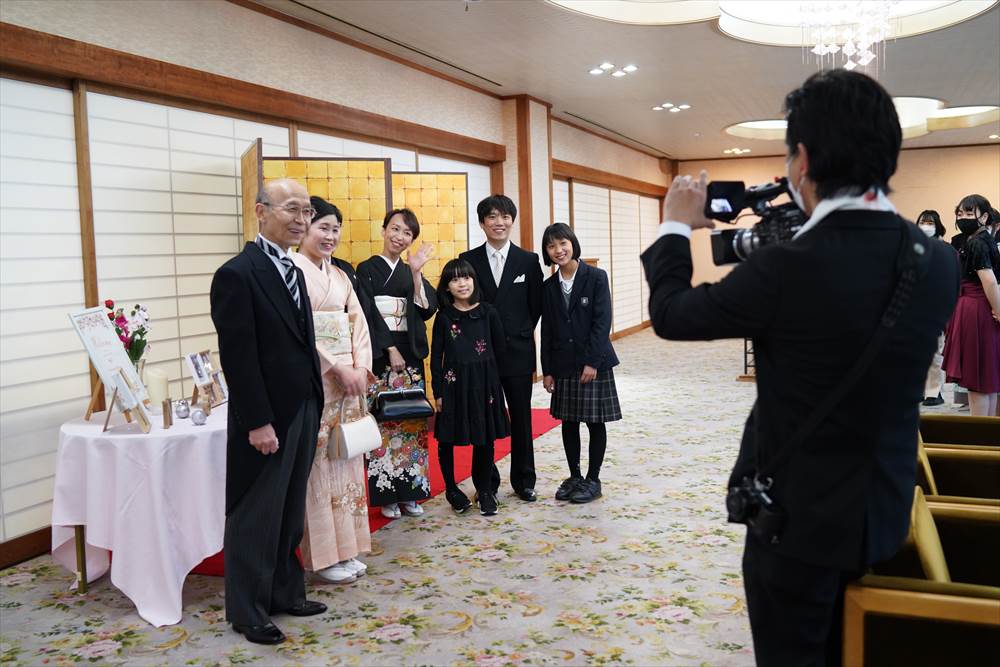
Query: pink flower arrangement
x,y
131,330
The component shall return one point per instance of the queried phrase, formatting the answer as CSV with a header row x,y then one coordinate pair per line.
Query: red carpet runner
x,y
541,422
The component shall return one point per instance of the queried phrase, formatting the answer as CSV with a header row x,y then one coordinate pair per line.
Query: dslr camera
x,y
778,224
749,503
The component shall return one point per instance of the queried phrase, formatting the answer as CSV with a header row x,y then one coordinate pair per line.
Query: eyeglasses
x,y
295,211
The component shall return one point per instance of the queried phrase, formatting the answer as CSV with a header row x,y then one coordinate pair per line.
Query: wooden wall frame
x,y
523,121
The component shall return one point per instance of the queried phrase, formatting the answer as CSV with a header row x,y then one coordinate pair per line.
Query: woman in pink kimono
x,y
336,529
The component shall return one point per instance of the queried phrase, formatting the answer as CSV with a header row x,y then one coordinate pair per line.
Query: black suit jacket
x,y
519,304
268,355
811,306
577,336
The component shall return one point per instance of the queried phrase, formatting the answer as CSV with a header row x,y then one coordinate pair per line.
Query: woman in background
x,y
930,223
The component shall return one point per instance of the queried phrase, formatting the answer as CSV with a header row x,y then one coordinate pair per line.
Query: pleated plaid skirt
x,y
594,402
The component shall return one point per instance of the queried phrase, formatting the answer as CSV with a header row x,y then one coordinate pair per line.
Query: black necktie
x,y
288,267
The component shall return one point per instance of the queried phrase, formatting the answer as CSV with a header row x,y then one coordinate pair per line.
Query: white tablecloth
x,y
156,500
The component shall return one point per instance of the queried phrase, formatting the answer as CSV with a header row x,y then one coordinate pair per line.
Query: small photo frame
x,y
218,391
200,366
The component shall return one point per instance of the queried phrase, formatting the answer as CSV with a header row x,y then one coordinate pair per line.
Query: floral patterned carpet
x,y
647,575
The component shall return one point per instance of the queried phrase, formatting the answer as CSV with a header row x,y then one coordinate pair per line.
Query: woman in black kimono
x,y
397,471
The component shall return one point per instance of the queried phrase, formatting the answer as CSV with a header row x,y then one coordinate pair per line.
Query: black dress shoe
x,y
261,634
305,608
933,401
487,504
567,488
527,495
586,491
458,500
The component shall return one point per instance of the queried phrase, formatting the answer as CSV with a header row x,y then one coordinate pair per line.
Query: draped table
x,y
156,500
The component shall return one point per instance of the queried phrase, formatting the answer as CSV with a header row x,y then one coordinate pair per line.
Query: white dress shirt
x,y
276,260
497,258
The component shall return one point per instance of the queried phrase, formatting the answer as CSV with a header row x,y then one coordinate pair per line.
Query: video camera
x,y
725,200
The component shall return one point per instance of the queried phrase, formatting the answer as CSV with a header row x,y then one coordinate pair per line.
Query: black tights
x,y
482,466
598,443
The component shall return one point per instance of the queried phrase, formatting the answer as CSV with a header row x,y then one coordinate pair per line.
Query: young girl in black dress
x,y
470,405
577,357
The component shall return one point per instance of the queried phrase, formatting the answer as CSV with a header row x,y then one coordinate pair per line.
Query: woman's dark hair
x,y
457,268
930,215
849,126
555,232
975,204
324,208
994,217
409,219
499,202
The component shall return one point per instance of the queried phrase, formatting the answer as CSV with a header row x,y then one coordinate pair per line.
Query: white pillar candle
x,y
156,383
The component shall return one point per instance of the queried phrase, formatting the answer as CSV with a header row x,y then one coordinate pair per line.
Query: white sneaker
x,y
391,511
411,508
355,566
337,574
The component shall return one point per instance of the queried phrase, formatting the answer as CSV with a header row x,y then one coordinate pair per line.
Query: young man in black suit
x,y
811,305
268,350
511,279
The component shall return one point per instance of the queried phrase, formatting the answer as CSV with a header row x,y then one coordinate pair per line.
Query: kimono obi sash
x,y
393,311
333,331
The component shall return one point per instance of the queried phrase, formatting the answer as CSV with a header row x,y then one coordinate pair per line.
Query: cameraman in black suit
x,y
811,306
511,279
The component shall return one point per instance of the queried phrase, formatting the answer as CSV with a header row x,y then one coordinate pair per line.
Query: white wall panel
x,y
313,144
560,201
43,372
625,269
592,222
649,226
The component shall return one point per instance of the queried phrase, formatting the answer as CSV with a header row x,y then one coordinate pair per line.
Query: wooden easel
x,y
95,396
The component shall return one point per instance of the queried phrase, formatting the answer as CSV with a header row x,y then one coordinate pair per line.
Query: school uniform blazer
x,y
518,300
577,336
268,351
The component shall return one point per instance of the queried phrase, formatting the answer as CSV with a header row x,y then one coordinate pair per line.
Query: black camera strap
x,y
912,263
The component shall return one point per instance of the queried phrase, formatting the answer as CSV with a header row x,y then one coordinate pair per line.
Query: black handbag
x,y
404,403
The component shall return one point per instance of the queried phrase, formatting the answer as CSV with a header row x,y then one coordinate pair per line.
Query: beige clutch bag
x,y
350,439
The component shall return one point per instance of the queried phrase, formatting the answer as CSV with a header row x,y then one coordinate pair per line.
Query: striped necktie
x,y
288,267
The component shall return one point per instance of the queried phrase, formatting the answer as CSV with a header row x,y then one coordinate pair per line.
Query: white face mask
x,y
928,229
795,193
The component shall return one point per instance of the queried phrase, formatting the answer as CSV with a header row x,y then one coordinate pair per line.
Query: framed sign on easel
x,y
208,382
115,369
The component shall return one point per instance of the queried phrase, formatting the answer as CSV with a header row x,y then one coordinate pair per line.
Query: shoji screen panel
x,y
44,378
560,201
167,214
649,225
625,269
592,222
479,188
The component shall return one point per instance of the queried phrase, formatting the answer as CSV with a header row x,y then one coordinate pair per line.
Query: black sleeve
x,y
600,324
740,305
380,334
546,342
535,280
496,331
977,256
232,315
432,301
438,334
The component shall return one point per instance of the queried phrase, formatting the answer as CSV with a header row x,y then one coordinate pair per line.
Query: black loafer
x,y
306,608
567,488
933,401
458,500
527,495
261,634
586,491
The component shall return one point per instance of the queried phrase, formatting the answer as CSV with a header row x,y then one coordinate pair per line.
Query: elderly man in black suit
x,y
511,279
268,350
811,306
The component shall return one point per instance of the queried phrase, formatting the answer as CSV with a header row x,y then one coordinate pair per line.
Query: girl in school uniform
x,y
470,404
577,358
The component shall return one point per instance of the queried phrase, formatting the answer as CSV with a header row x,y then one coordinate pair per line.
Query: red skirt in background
x,y
972,342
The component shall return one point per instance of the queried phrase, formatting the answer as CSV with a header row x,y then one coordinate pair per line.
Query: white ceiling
x,y
529,46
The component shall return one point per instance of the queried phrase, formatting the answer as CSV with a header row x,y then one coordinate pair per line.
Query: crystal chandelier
x,y
846,34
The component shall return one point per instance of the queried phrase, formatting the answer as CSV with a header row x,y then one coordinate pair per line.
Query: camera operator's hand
x,y
685,202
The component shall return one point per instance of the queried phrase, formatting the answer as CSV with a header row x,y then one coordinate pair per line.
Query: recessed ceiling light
x,y
630,68
768,130
675,110
657,108
995,136
728,151
618,73
596,71
955,118
607,66
684,106
667,105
